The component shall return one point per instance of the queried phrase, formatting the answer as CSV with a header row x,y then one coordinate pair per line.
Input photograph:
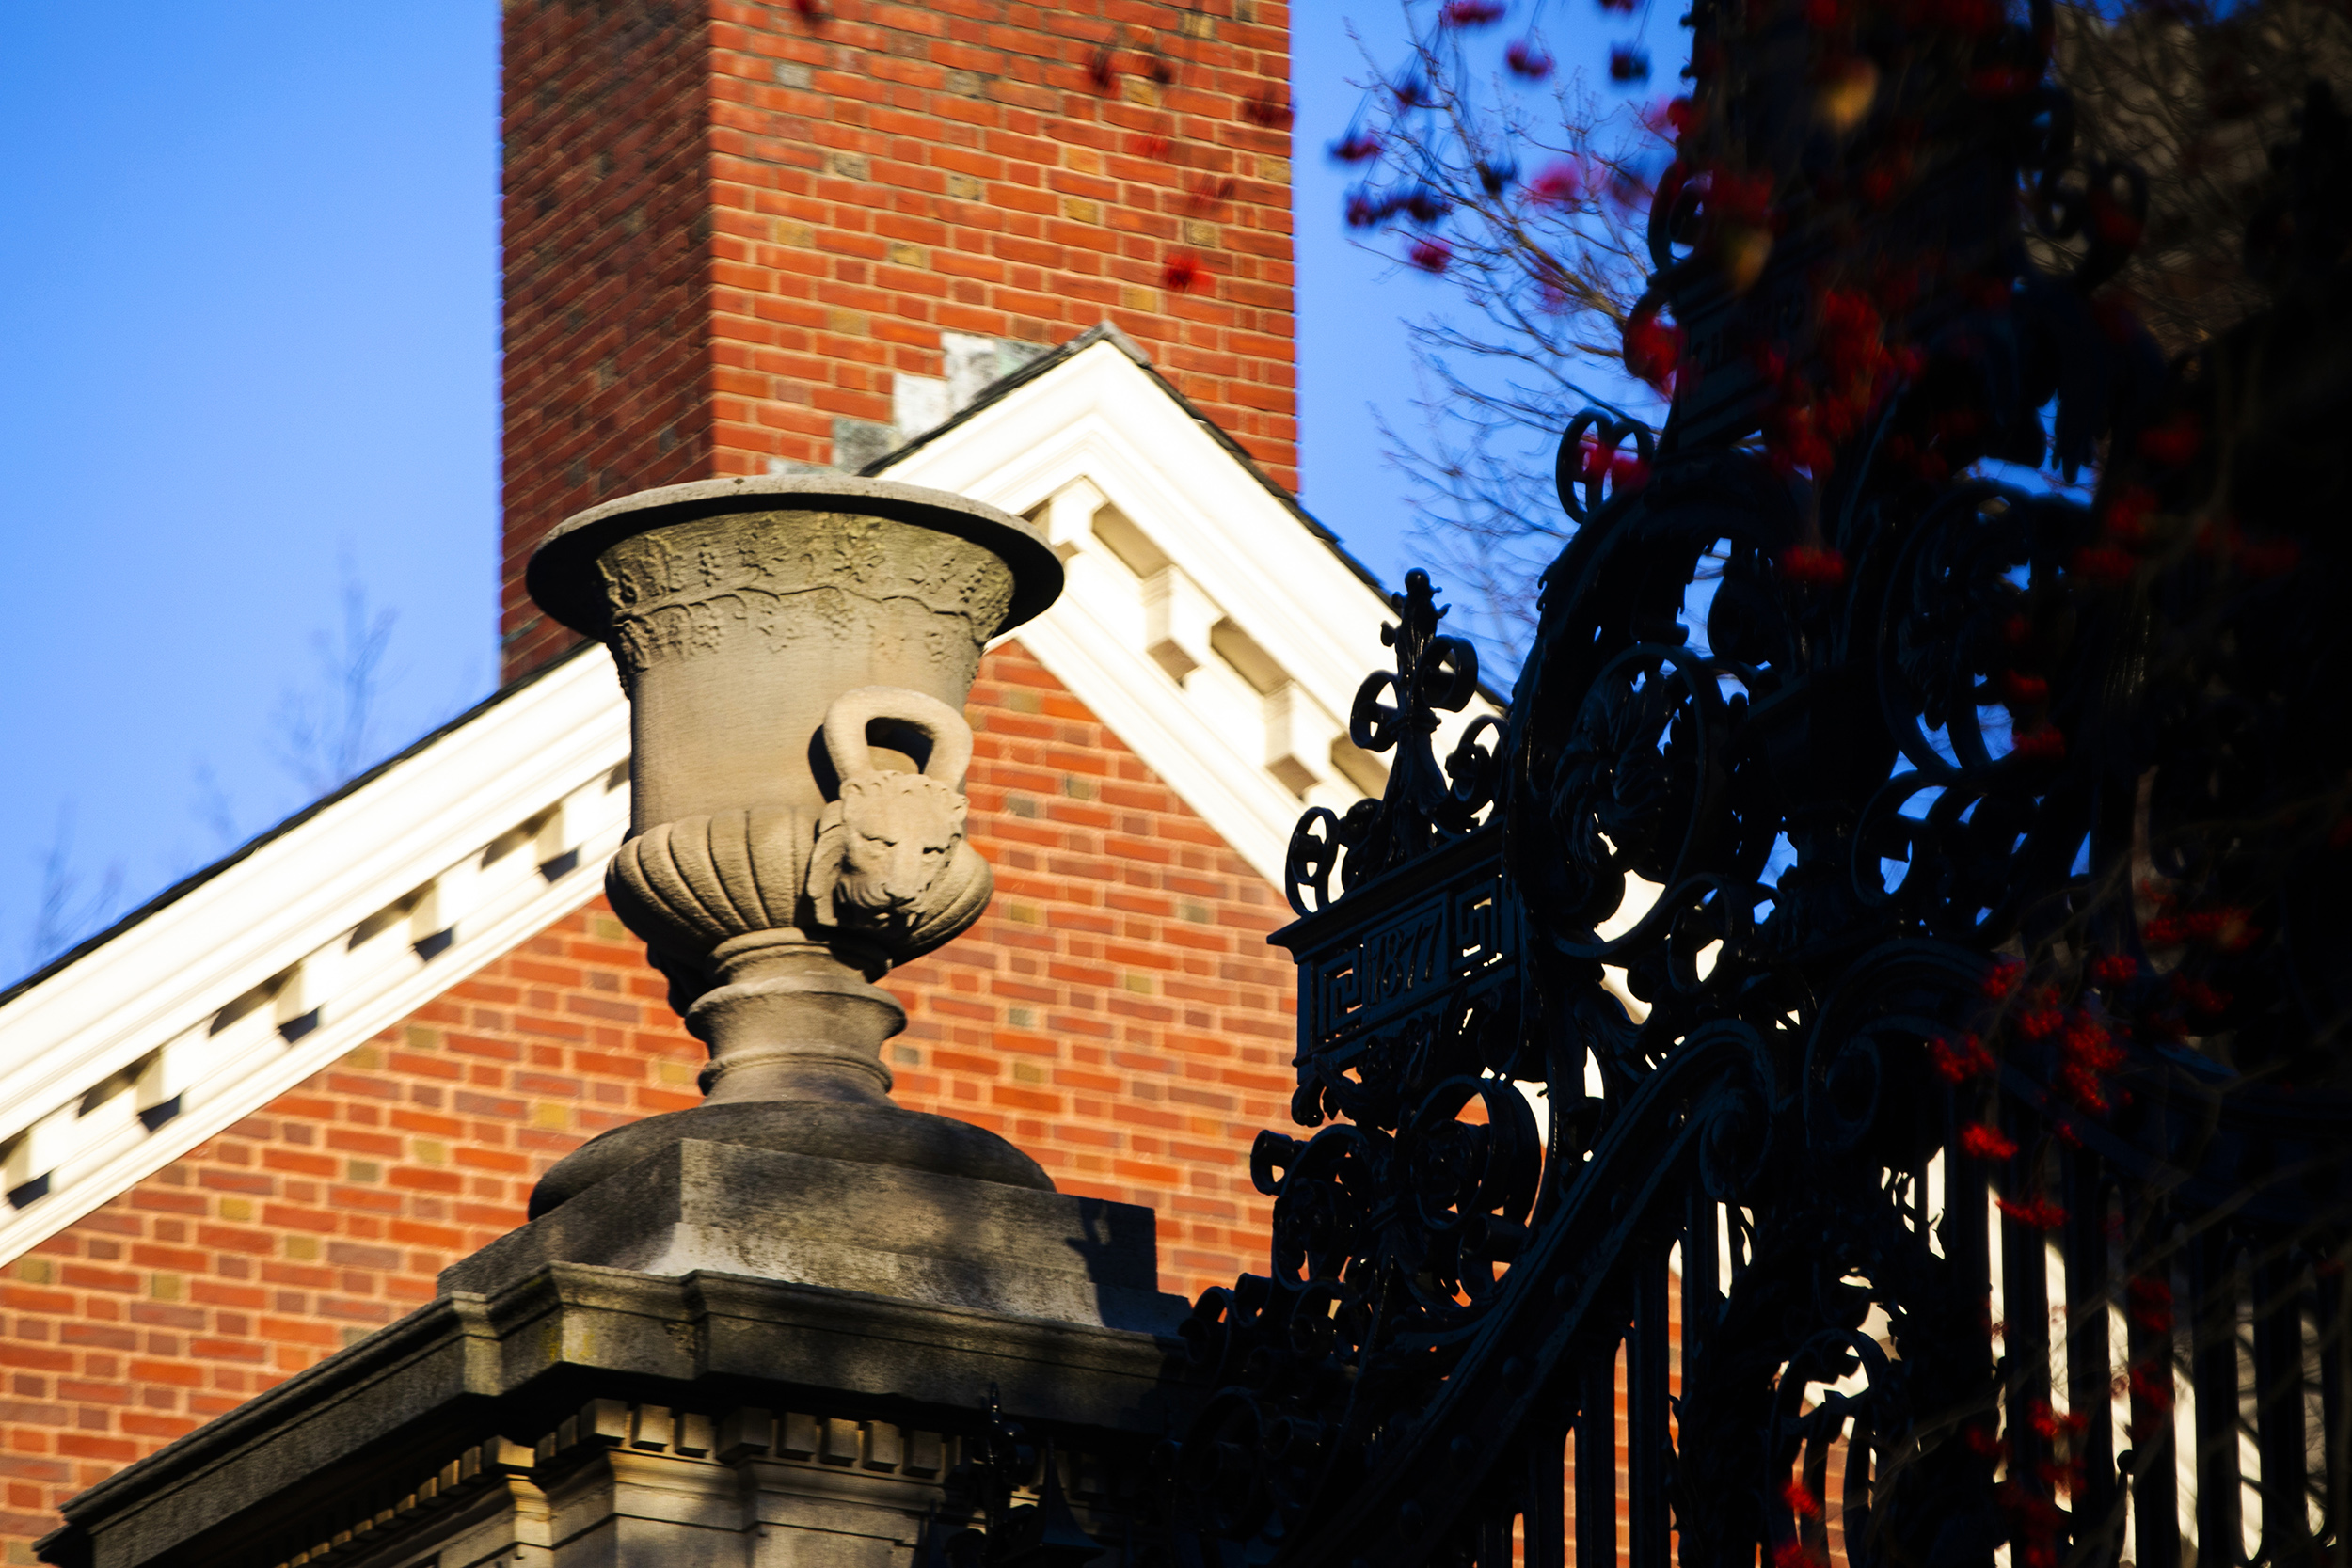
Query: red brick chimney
x,y
742,238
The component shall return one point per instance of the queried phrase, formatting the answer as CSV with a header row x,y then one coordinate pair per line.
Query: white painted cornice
x,y
266,970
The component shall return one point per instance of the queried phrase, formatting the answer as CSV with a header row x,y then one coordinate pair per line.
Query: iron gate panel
x,y
1864,1035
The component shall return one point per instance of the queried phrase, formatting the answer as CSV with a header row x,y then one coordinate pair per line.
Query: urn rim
x,y
562,579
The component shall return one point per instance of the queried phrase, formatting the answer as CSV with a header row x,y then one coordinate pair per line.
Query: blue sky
x,y
249,331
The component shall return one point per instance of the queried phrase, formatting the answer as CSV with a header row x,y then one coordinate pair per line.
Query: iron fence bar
x,y
1495,1515
1813,1522
1596,1459
2329,1285
2090,1282
1862,1549
1701,1282
2148,1338
1966,1229
1545,1472
2214,1381
2025,1341
1649,1447
2278,1408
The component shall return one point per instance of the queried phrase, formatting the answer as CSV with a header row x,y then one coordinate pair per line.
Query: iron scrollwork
x,y
1905,892
1425,803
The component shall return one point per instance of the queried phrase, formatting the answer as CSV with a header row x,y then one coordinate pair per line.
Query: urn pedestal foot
x,y
793,1018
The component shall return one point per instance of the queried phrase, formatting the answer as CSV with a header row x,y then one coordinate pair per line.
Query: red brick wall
x,y
1117,1013
607,242
866,183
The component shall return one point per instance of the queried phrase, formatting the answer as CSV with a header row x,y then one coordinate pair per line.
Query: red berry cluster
x,y
1653,350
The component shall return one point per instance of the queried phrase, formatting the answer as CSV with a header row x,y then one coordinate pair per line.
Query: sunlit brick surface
x,y
1117,1013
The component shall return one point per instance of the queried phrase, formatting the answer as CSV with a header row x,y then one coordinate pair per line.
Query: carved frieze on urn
x,y
797,652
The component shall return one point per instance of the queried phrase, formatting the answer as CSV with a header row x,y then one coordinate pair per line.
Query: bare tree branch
x,y
68,908
326,736
1530,202
1532,205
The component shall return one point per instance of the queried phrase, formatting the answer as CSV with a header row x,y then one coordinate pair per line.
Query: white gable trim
x,y
1227,664
1230,577
271,969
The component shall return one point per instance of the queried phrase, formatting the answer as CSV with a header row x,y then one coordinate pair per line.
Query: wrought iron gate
x,y
1855,1064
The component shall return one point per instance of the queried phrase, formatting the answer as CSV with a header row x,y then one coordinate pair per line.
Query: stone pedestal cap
x,y
562,576
888,1230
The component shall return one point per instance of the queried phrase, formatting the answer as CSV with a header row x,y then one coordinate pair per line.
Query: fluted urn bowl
x,y
797,652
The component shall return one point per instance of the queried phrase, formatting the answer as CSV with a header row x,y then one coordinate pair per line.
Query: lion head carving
x,y
891,859
882,846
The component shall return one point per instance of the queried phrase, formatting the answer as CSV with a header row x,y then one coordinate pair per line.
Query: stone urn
x,y
797,652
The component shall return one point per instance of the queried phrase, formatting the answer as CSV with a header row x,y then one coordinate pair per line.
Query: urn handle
x,y
844,732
